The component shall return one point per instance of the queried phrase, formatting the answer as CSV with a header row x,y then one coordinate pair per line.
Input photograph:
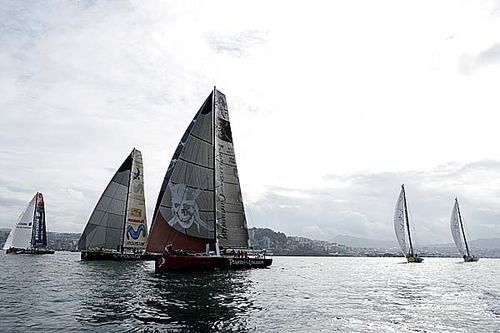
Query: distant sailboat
x,y
29,235
199,220
117,228
402,228
457,231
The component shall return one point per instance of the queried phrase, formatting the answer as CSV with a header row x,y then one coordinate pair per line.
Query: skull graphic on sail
x,y
184,208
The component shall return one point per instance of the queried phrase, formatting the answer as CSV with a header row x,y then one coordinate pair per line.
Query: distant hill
x,y
364,242
482,243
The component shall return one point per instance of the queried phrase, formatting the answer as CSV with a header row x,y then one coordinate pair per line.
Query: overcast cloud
x,y
332,107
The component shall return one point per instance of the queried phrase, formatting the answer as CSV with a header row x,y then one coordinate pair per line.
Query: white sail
x,y
399,223
135,233
20,236
455,230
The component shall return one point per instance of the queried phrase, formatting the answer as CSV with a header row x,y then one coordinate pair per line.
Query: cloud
x,y
238,44
491,56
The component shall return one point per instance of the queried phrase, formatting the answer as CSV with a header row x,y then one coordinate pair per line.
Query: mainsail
x,y
30,230
399,222
119,218
200,199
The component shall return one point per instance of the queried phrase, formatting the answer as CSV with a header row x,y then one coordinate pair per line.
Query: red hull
x,y
168,262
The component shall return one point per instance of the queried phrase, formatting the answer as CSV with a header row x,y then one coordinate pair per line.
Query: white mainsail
x,y
399,222
456,229
20,236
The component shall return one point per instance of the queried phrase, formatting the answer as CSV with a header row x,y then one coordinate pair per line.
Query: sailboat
x,y
29,236
199,220
457,231
117,228
402,228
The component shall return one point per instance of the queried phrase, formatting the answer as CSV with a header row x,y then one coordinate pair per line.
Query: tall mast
x,y
126,200
407,219
215,176
462,227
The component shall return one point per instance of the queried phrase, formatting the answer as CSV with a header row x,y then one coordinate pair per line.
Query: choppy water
x,y
61,293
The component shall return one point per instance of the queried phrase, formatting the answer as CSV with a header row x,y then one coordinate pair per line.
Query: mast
x,y
462,227
126,201
33,229
215,172
407,219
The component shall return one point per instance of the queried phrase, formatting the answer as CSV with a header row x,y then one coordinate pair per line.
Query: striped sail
x,y
105,227
20,236
189,204
399,223
184,212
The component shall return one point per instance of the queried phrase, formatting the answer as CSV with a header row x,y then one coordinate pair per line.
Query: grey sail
x,y
191,212
184,213
104,230
231,221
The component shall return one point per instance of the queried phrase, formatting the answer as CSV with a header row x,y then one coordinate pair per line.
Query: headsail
x,y
136,228
399,222
106,224
455,229
191,212
20,236
184,212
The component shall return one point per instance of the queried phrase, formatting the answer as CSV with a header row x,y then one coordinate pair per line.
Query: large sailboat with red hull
x,y
29,235
199,220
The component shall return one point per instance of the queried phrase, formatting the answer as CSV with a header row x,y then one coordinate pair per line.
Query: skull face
x,y
185,212
184,207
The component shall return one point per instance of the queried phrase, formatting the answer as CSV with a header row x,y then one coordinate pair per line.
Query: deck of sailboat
x,y
116,256
172,262
29,251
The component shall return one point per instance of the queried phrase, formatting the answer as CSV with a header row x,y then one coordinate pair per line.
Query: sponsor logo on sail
x,y
134,234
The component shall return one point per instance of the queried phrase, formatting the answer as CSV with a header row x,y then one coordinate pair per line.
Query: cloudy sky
x,y
333,105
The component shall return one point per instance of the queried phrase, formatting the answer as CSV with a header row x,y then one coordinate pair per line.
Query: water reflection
x,y
131,297
199,302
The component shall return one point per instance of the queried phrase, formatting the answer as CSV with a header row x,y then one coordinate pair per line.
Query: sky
x,y
333,105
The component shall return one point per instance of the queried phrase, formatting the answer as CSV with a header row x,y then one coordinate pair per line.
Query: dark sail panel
x,y
39,238
231,221
104,229
184,214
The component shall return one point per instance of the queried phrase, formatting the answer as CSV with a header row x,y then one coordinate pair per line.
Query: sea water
x,y
49,293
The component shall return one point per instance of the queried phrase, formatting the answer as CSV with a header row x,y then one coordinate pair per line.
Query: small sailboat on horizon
x,y
29,235
199,221
458,232
117,228
402,228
